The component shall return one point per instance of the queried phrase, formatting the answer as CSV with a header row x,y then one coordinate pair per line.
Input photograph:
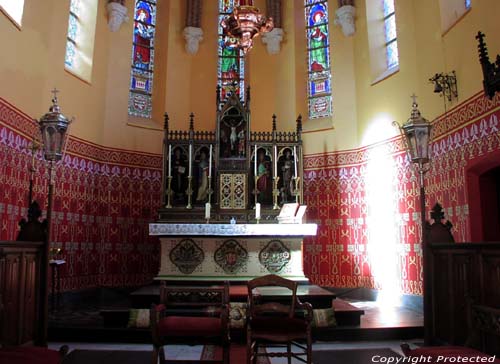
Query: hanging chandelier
x,y
245,23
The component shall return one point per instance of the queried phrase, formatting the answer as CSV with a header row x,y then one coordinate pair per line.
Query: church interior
x,y
172,170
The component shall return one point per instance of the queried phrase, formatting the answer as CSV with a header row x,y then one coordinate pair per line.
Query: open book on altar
x,y
292,213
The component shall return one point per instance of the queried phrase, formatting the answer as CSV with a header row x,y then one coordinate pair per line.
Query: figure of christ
x,y
202,177
233,138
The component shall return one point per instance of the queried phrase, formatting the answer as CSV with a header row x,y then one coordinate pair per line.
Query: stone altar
x,y
236,252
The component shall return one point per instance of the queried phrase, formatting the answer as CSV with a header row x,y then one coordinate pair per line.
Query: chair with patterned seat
x,y
271,322
191,315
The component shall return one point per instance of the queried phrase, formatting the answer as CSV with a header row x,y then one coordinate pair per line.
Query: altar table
x,y
230,251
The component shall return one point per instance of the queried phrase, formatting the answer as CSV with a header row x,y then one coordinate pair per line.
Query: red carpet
x,y
238,354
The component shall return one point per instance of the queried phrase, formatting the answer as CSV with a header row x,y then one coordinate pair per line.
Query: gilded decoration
x,y
275,256
231,256
187,256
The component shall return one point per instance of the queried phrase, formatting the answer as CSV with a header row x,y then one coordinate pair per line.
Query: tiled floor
x,y
194,352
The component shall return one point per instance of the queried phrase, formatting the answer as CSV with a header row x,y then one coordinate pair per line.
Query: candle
x,y
190,160
169,160
295,159
207,210
210,162
257,211
255,164
275,161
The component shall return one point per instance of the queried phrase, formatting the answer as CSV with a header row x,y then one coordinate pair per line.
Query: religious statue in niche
x,y
264,183
286,168
202,176
232,138
179,175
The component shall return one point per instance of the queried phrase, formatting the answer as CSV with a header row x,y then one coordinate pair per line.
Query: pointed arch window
x,y
80,38
467,4
73,30
13,9
141,80
231,63
391,39
318,53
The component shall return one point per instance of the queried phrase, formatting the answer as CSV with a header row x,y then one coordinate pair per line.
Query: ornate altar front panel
x,y
225,251
233,191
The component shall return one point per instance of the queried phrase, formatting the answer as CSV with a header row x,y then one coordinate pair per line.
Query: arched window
x,y
141,83
13,9
231,64
80,38
318,52
451,11
391,38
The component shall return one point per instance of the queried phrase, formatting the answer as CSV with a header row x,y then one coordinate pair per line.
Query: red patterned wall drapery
x,y
338,189
104,199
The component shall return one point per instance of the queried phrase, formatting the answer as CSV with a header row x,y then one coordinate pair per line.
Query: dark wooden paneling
x,y
20,291
461,271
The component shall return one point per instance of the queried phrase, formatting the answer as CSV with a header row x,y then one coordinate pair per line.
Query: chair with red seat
x,y
271,322
191,315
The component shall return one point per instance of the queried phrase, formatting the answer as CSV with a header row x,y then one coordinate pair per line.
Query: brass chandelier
x,y
245,23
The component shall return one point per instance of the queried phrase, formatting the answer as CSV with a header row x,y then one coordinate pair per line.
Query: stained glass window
x,y
318,51
467,4
391,43
231,64
141,80
73,29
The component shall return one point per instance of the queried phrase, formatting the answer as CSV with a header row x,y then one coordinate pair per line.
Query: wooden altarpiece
x,y
232,167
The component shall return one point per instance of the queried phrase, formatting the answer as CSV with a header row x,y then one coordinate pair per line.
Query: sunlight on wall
x,y
380,129
382,209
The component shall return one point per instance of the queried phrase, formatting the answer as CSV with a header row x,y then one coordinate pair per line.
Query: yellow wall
x,y
33,64
363,112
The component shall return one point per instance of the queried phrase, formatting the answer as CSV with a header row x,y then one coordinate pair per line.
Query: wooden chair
x,y
283,322
191,315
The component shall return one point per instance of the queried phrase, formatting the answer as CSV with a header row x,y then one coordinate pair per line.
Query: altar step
x,y
103,317
318,297
345,315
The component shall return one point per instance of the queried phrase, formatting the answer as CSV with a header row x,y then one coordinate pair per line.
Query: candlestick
x,y
207,210
210,162
295,159
169,161
275,161
190,160
257,211
255,159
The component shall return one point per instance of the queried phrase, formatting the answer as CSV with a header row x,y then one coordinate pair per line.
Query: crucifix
x,y
55,92
414,98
